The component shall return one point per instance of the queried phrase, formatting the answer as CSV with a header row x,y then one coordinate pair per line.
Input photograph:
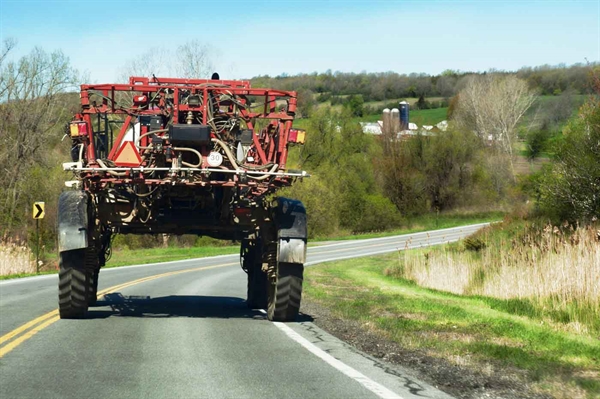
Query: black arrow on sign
x,y
39,211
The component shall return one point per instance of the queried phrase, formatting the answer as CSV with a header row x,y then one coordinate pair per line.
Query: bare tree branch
x,y
190,60
30,89
492,106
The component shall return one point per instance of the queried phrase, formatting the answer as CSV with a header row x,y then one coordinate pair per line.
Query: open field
x,y
419,116
503,338
379,104
434,116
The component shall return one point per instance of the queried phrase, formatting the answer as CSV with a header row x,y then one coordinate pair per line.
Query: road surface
x,y
182,330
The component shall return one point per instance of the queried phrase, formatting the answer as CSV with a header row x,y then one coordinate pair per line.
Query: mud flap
x,y
291,230
72,220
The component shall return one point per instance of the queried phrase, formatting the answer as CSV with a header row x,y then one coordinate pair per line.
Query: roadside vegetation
x,y
542,271
15,259
509,338
126,257
519,299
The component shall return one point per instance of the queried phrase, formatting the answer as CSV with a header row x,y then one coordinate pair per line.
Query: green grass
x,y
541,155
481,330
419,116
542,103
393,103
19,275
301,123
522,150
157,255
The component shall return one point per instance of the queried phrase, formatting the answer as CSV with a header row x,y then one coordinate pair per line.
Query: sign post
x,y
38,213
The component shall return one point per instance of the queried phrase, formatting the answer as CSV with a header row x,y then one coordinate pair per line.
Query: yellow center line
x,y
13,344
52,317
27,326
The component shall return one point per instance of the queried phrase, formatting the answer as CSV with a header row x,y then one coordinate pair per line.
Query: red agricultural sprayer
x,y
184,156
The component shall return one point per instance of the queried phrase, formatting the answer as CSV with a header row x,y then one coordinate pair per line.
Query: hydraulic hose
x,y
233,161
263,177
149,133
112,172
237,167
81,153
190,150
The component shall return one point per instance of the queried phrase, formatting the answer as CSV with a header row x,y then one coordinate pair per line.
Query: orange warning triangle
x,y
128,155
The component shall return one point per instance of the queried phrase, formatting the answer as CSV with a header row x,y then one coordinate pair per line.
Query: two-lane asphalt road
x,y
182,330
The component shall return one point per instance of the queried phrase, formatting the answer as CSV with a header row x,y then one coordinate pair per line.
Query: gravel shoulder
x,y
460,381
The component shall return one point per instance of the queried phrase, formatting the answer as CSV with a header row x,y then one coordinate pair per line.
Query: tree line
x,y
379,86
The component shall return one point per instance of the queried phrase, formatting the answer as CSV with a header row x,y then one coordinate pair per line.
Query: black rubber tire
x,y
286,294
74,285
93,294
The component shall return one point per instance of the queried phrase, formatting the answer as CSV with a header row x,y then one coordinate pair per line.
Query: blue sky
x,y
273,37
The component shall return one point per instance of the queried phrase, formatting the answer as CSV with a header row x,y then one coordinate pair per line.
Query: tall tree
x,y
32,108
492,106
570,188
192,59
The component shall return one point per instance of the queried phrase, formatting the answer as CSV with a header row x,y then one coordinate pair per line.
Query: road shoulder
x,y
408,365
394,377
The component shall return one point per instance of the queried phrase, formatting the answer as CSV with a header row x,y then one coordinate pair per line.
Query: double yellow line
x,y
21,334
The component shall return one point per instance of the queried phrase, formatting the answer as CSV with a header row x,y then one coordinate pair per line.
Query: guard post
x,y
38,213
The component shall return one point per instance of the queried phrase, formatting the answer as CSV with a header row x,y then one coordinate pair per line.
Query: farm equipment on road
x,y
189,156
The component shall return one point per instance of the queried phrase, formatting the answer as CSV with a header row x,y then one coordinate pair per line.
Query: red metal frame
x,y
270,145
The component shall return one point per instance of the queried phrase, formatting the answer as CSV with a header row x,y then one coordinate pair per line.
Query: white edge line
x,y
408,235
356,375
383,251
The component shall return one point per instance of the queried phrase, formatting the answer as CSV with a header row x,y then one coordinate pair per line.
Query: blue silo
x,y
404,115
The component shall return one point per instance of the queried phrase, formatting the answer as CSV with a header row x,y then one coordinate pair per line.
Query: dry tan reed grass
x,y
558,268
15,258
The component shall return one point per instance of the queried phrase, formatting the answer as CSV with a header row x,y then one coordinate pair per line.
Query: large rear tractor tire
x,y
285,294
286,256
74,285
79,254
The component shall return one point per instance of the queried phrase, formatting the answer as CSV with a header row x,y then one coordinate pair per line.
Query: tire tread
x,y
74,282
286,294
